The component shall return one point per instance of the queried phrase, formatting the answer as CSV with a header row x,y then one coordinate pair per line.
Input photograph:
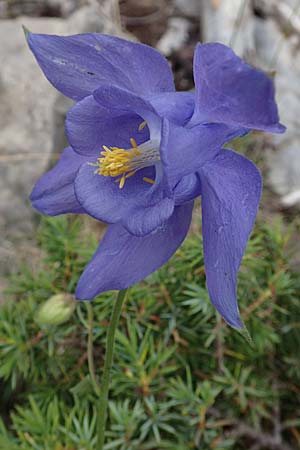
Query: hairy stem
x,y
103,401
91,350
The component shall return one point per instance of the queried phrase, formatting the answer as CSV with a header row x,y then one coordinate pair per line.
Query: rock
x,y
229,22
175,35
279,53
190,8
32,123
146,19
39,8
269,36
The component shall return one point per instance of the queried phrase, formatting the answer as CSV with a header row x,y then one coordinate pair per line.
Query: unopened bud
x,y
56,310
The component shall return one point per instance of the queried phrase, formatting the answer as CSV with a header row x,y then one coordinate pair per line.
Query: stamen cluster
x,y
116,161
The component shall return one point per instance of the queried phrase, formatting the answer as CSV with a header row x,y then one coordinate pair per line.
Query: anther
x,y
149,180
133,143
142,125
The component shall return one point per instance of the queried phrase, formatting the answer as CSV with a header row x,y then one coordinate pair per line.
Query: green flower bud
x,y
56,310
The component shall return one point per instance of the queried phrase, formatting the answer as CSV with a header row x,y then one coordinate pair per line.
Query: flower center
x,y
123,163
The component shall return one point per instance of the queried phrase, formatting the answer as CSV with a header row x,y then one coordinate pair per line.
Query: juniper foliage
x,y
181,380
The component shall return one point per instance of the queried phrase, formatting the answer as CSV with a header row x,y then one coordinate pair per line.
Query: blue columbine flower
x,y
140,153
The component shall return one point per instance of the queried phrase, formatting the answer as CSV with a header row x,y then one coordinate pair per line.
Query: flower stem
x,y
91,350
103,401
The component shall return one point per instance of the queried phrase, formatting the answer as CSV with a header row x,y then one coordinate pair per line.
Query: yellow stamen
x,y
119,180
133,143
124,163
116,161
130,174
142,125
149,180
122,182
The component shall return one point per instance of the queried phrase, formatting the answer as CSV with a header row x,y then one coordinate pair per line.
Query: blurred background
x,y
267,34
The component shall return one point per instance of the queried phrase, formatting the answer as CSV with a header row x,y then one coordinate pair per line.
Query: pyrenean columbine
x,y
140,153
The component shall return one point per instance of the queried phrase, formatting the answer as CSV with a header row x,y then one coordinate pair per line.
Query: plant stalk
x,y
91,350
103,398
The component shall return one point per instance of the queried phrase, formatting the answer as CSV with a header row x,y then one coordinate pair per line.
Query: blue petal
x,y
101,196
188,188
77,65
123,260
122,101
53,193
184,150
151,213
230,91
140,208
90,125
231,189
177,107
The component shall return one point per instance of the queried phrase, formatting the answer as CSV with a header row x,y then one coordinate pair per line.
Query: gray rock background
x,y
265,32
32,116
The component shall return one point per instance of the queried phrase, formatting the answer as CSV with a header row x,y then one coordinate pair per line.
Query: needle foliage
x,y
182,379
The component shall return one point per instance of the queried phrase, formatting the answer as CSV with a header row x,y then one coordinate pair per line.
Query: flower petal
x,y
184,150
140,208
122,101
123,260
53,193
101,196
151,213
230,91
178,107
90,125
231,189
188,188
77,65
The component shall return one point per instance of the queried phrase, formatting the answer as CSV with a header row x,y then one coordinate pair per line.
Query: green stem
x,y
102,411
91,350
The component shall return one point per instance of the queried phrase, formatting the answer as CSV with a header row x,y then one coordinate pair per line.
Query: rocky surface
x,y
267,33
32,123
279,52
230,22
39,8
